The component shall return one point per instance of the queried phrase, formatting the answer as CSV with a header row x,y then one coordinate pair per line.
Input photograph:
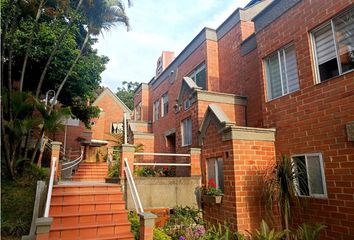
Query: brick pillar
x,y
147,223
127,152
56,154
195,161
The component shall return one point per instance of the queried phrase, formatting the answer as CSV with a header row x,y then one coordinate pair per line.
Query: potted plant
x,y
211,194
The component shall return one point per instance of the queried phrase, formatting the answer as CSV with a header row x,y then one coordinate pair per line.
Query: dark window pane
x,y
328,69
201,79
302,180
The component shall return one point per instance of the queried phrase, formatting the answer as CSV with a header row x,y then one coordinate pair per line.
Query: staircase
x,y
91,172
86,208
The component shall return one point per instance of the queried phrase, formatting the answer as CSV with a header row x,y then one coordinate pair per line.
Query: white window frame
x,y
164,96
216,170
183,134
313,49
282,81
118,124
324,185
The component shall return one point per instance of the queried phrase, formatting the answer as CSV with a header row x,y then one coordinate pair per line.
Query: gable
x,y
188,86
108,93
216,115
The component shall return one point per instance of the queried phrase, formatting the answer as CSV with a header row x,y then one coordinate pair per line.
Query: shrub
x,y
309,231
266,234
114,170
135,224
159,234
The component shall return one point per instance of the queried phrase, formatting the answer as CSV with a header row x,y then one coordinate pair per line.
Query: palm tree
x,y
281,187
101,15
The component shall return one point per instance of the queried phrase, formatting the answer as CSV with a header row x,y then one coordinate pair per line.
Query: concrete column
x,y
56,154
43,227
127,152
195,161
147,223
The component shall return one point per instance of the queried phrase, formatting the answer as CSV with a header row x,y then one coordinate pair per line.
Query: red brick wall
x,y
313,119
245,164
143,97
239,74
112,112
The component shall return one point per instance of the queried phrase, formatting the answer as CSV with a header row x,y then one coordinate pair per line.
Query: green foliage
x,y
266,234
221,232
159,234
280,187
126,93
152,172
17,201
309,231
135,224
114,170
185,221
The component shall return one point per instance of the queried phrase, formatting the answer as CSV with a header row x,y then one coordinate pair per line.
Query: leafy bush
x,y
159,234
211,189
150,172
135,224
308,231
266,234
17,200
114,170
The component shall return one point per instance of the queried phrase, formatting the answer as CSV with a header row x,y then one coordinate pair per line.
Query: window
x,y
216,172
138,112
333,45
199,76
281,68
311,180
164,105
116,127
187,104
186,131
156,110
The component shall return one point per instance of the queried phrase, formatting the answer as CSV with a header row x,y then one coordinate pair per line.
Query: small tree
x,y
280,188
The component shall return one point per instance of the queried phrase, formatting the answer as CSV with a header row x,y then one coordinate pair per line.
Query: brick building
x,y
275,78
104,129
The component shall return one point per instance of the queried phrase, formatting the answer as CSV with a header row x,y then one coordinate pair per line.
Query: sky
x,y
156,26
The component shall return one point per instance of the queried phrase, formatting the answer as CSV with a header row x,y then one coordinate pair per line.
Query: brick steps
x,y
89,211
91,172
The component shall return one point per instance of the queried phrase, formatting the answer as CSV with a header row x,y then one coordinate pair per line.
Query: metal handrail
x,y
162,154
78,161
163,164
50,187
132,186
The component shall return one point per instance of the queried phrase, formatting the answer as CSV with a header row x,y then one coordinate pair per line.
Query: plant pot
x,y
212,199
113,180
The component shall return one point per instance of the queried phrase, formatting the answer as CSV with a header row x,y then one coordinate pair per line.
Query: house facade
x,y
105,133
277,77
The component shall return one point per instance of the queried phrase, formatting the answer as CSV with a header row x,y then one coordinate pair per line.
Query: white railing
x,y
162,164
50,187
132,186
75,162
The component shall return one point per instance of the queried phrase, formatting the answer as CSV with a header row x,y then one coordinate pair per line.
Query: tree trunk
x,y
29,44
56,47
39,141
286,220
72,66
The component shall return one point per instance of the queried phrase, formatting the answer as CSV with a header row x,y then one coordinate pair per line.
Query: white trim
x,y
162,154
339,64
163,164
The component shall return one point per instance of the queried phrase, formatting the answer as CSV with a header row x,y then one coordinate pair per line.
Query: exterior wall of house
x,y
141,96
312,119
245,163
239,73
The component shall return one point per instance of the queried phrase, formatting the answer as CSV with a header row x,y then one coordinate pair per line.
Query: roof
x,y
109,92
217,115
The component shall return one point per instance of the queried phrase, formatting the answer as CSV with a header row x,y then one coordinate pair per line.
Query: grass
x,y
17,201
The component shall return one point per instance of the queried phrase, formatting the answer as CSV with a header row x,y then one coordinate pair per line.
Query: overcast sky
x,y
157,25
